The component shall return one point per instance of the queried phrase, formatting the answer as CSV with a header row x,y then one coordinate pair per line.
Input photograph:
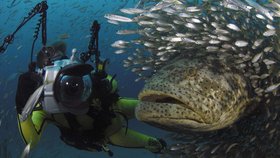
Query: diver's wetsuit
x,y
72,126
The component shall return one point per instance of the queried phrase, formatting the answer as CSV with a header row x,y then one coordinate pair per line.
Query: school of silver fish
x,y
243,30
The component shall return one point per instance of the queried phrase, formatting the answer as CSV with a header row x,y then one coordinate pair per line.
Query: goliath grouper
x,y
213,108
212,75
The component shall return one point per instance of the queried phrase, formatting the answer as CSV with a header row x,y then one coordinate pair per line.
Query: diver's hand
x,y
156,145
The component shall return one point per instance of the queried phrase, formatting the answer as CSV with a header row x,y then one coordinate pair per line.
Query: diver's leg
x,y
127,106
31,128
133,139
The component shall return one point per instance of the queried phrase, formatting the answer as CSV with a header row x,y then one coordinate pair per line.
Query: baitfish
x,y
220,88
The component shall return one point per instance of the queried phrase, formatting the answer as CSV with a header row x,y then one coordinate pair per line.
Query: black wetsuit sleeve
x,y
27,83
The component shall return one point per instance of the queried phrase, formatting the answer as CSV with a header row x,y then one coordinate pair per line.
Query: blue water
x,y
72,17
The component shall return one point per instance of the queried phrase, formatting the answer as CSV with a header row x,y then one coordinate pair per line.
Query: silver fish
x,y
151,15
263,76
120,44
132,10
260,8
260,16
185,39
214,42
169,10
138,79
241,43
214,24
233,27
268,62
175,39
160,6
192,9
272,88
19,47
191,26
113,22
162,29
145,22
211,48
126,32
184,15
136,70
230,6
199,42
178,22
258,42
231,146
215,149
268,49
269,33
149,44
239,4
118,18
130,58
194,20
162,23
146,68
163,58
221,31
161,48
257,57
120,51
161,53
270,27
176,147
223,38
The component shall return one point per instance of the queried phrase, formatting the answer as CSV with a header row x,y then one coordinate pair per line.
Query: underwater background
x,y
255,135
69,21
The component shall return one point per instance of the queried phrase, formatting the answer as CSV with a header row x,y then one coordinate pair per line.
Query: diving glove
x,y
156,145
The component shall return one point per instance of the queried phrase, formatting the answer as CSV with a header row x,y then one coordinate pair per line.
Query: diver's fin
x,y
25,152
106,149
31,103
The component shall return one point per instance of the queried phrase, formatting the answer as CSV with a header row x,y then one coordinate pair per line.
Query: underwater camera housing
x,y
68,86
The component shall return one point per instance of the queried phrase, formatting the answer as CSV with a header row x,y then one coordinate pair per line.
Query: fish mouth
x,y
161,98
162,109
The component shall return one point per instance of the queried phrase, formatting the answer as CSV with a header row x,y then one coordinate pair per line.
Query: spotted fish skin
x,y
194,94
212,109
255,135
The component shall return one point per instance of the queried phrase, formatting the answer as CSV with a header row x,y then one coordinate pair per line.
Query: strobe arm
x,y
39,8
93,44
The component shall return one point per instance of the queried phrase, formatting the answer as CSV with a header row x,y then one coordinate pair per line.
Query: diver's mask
x,y
67,89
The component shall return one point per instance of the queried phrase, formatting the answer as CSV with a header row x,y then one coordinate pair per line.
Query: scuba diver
x,y
82,101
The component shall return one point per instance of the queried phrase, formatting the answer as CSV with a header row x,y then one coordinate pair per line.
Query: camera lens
x,y
72,86
73,90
